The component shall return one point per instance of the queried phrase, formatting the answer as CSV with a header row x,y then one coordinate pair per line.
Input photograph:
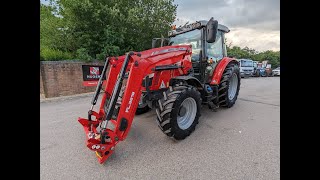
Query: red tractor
x,y
190,69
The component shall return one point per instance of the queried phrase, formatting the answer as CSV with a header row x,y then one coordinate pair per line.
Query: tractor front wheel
x,y
142,106
142,110
179,111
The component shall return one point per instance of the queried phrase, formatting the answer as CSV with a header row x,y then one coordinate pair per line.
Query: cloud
x,y
258,40
253,23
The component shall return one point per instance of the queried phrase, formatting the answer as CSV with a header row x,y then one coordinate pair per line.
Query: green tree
x,y
100,27
247,53
52,45
51,35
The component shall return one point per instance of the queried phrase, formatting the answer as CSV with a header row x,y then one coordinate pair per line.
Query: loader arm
x,y
101,136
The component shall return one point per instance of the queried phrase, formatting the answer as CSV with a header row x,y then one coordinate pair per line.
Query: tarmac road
x,y
242,142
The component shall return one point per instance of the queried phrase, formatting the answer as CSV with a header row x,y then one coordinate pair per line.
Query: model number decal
x,y
168,50
130,102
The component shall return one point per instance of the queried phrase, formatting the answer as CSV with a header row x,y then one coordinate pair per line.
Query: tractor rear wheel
x,y
179,111
229,86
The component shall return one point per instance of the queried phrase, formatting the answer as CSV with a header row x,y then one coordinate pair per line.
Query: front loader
x,y
190,70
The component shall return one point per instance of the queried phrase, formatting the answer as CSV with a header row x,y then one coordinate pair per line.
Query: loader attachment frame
x,y
100,137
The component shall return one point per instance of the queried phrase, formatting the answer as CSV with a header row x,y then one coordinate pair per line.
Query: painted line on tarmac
x,y
64,98
278,105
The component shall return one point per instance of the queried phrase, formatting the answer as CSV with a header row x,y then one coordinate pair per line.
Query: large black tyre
x,y
170,111
142,110
142,106
230,78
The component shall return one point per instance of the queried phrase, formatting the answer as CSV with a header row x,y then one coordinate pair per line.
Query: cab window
x,y
215,50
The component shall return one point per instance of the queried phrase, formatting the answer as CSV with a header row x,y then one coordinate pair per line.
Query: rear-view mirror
x,y
212,28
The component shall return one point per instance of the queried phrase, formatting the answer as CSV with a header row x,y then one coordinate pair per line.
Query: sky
x,y
46,2
252,23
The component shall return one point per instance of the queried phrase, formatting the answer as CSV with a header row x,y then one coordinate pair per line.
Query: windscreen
x,y
246,63
191,38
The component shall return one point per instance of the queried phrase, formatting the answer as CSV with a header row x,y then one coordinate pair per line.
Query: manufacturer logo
x,y
94,71
130,102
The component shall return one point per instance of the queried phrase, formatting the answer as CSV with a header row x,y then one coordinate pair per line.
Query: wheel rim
x,y
233,85
189,108
141,103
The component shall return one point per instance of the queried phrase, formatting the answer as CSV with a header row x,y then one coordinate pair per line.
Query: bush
x,y
101,56
41,57
82,54
108,51
47,54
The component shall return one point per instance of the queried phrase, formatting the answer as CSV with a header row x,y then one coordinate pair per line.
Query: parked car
x,y
276,71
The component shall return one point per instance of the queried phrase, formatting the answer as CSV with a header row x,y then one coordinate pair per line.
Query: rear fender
x,y
218,71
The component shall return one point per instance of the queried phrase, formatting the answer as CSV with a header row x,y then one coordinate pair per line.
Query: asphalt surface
x,y
242,142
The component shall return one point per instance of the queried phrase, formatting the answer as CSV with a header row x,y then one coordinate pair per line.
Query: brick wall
x,y
62,78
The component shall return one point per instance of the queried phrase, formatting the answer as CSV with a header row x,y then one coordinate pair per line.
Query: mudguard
x,y
218,71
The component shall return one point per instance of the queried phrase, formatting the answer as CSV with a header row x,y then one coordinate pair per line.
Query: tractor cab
x,y
208,45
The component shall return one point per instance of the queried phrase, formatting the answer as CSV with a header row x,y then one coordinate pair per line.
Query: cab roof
x,y
195,25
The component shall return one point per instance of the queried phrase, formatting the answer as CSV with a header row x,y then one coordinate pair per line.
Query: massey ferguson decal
x,y
168,50
91,74
130,102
